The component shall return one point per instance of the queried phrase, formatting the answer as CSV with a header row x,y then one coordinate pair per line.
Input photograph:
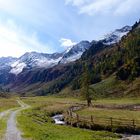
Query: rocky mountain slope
x,y
40,60
116,35
49,73
34,60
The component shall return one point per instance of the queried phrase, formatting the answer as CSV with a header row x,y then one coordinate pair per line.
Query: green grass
x,y
39,130
42,128
107,113
3,125
33,101
53,104
36,122
108,88
112,88
43,100
117,101
6,104
118,119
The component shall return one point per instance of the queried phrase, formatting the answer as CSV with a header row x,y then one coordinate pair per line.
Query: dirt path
x,y
5,113
12,132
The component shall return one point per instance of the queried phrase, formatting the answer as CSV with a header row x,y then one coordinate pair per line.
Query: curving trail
x,y
5,113
12,132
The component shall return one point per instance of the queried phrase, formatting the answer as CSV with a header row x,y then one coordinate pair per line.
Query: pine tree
x,y
87,91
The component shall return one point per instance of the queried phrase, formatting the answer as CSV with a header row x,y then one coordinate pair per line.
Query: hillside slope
x,y
120,59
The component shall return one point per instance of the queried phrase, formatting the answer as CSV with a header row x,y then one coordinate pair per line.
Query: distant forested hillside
x,y
121,60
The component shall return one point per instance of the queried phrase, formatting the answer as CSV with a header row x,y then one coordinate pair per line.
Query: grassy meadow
x,y
2,127
6,104
36,122
42,126
107,113
9,103
110,87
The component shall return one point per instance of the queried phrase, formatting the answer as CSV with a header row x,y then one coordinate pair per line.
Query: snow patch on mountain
x,y
6,62
75,52
17,67
47,62
116,36
32,60
71,58
35,60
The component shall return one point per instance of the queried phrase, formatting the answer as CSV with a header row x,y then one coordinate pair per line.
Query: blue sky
x,y
53,25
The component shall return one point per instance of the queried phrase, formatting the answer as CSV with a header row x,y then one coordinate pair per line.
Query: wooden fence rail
x,y
73,118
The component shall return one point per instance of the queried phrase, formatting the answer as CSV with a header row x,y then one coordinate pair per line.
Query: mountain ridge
x,y
31,60
41,81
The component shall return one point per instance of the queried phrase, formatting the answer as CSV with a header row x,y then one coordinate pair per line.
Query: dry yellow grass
x,y
7,103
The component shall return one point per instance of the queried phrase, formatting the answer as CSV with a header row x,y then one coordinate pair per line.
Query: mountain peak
x,y
43,60
124,29
35,60
115,36
75,52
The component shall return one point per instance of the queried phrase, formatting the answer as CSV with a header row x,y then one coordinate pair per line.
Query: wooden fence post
x,y
70,117
70,113
133,123
91,119
77,117
111,122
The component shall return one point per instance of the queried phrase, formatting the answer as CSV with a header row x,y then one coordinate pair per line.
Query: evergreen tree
x,y
87,91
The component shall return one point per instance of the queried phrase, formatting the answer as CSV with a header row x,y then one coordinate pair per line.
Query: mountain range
x,y
40,73
34,60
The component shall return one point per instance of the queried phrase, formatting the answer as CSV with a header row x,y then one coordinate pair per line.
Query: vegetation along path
x,y
73,109
12,132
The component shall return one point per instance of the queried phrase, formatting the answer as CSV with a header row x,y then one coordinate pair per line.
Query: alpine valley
x,y
113,64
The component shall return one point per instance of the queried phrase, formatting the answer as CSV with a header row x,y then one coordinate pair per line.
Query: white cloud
x,y
66,43
14,41
103,6
30,11
128,7
112,7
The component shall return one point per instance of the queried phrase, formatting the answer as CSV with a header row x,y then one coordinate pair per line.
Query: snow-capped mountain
x,y
75,52
42,60
33,71
35,60
32,60
115,37
5,62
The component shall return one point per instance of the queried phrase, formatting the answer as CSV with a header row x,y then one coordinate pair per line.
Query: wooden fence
x,y
74,119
